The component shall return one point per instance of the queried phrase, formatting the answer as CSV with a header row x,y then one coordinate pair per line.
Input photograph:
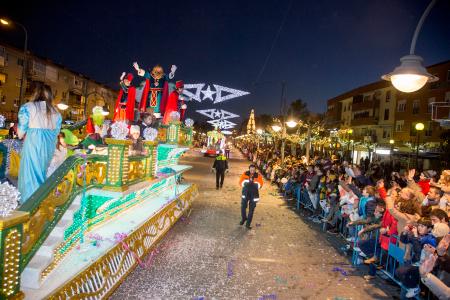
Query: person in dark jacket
x,y
250,181
220,166
418,236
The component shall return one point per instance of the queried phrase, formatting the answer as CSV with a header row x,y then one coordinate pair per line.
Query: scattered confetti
x,y
340,270
268,297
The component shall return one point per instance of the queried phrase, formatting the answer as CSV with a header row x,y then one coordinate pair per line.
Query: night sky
x,y
325,48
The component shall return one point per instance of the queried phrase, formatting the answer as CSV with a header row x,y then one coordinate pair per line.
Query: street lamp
x,y
276,128
63,105
259,131
411,75
291,123
392,142
6,22
419,127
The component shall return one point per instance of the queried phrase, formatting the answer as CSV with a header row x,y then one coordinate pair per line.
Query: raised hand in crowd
x,y
427,265
443,245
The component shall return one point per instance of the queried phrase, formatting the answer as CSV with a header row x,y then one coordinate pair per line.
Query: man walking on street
x,y
220,166
251,181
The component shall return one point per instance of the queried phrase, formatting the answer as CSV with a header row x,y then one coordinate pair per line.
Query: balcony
x,y
365,105
364,121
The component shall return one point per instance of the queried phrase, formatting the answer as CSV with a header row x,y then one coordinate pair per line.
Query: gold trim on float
x,y
16,217
102,277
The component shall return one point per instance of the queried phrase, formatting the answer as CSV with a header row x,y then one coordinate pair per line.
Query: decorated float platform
x,y
95,219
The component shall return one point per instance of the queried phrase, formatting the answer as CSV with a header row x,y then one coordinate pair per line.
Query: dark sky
x,y
324,49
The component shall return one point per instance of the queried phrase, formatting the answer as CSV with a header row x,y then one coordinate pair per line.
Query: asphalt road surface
x,y
208,255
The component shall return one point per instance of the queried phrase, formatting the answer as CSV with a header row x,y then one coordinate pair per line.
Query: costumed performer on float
x,y
172,102
94,129
39,124
124,110
156,89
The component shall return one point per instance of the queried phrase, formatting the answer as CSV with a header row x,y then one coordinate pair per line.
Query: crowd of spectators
x,y
377,209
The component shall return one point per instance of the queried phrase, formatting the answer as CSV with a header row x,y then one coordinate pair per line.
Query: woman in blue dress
x,y
39,124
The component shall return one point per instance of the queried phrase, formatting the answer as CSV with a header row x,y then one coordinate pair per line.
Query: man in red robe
x,y
172,102
124,110
155,90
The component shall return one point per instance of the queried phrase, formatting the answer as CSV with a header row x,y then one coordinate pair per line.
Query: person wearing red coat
x,y
172,102
124,109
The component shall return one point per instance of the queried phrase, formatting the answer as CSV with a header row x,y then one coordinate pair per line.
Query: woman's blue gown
x,y
40,134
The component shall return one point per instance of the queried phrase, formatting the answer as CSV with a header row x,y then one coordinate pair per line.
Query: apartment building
x,y
78,91
412,108
377,113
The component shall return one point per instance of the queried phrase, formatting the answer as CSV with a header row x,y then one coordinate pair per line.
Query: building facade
x,y
78,91
380,117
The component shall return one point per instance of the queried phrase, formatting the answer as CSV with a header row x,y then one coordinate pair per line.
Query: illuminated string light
x,y
217,113
221,93
222,124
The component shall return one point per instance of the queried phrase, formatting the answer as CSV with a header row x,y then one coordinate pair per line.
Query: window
x,y
429,128
361,115
448,75
430,100
77,82
20,62
386,114
386,133
2,57
38,69
447,96
435,85
51,73
401,105
416,107
388,96
3,77
366,98
18,82
399,125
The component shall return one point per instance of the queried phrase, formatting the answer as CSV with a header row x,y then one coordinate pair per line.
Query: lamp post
x,y
6,22
259,132
353,150
419,128
349,133
411,75
391,142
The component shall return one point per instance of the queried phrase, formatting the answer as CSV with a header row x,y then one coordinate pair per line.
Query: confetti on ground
x,y
340,270
268,297
230,267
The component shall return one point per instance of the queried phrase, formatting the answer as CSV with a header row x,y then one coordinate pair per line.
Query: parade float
x,y
98,215
216,141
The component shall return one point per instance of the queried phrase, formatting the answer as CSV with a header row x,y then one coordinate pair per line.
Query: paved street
x,y
209,256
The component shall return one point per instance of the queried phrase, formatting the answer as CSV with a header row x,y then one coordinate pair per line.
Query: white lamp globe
x,y
291,124
410,76
276,128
